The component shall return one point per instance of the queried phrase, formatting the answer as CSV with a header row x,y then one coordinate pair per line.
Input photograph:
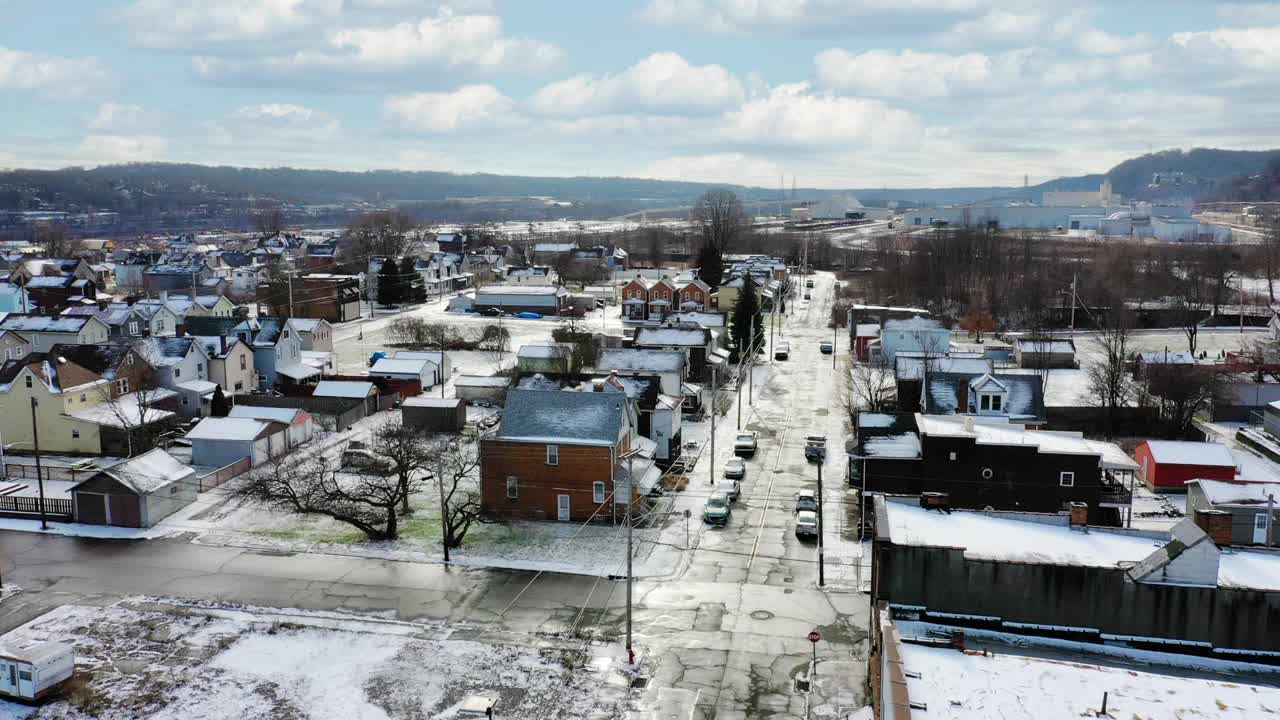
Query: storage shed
x,y
1168,465
217,442
546,357
301,425
435,414
32,672
511,299
1045,352
1243,506
136,493
482,388
425,372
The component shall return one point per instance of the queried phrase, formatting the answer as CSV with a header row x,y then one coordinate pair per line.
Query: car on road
x,y
808,283
806,296
528,316
806,502
745,444
365,460
735,468
806,524
782,350
717,510
815,448
826,347
732,489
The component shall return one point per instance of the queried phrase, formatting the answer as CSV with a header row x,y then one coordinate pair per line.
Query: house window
x,y
133,328
952,456
177,372
597,492
986,473
553,454
513,488
28,381
123,385
185,401
239,386
200,367
75,434
1067,479
243,362
81,398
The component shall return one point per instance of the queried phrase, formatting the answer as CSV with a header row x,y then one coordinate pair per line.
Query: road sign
x,y
814,637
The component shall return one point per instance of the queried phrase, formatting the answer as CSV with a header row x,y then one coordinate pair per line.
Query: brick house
x,y
648,299
555,457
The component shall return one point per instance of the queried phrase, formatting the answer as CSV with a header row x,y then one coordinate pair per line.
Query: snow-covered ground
x,y
959,685
161,660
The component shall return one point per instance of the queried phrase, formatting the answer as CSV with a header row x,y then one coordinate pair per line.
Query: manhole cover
x,y
761,615
639,683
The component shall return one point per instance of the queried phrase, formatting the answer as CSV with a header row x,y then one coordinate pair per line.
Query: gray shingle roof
x,y
569,417
948,394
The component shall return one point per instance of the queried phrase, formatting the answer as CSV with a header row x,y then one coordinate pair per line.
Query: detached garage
x,y
1168,465
136,493
218,442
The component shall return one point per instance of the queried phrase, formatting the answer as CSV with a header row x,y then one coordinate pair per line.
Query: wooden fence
x,y
24,506
225,473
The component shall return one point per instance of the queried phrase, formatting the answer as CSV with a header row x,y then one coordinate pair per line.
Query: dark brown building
x,y
335,298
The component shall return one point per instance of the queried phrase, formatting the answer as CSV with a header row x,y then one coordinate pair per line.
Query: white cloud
x,y
116,116
475,44
734,167
274,124
824,15
662,83
794,116
52,76
105,149
1249,14
471,107
1249,48
1099,42
180,24
997,27
902,74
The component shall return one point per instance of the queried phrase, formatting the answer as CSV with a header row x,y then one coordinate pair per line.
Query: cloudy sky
x,y
835,93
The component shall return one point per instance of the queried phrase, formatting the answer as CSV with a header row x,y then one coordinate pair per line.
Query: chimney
x,y
222,339
1079,514
1216,524
968,423
164,296
180,330
103,303
597,385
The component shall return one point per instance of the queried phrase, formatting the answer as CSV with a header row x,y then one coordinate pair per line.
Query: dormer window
x,y
991,402
988,396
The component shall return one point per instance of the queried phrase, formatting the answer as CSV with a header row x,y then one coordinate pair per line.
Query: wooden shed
x,y
435,414
136,493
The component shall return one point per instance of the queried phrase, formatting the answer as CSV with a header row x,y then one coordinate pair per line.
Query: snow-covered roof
x,y
519,290
284,415
434,356
44,323
900,446
1046,345
664,336
228,428
949,393
432,402
481,381
997,431
150,471
876,420
910,366
203,387
1181,452
297,371
1164,357
306,325
913,324
632,360
555,416
400,366
546,350
1224,492
343,389
1009,684
867,330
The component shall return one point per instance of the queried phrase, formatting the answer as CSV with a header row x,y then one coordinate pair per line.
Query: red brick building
x,y
555,456
646,299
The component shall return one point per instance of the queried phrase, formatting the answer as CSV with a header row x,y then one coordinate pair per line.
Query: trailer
x,y
33,672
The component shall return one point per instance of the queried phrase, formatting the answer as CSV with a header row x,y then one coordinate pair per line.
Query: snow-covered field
x,y
162,660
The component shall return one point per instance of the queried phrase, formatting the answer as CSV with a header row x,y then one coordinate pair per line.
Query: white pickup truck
x,y
745,443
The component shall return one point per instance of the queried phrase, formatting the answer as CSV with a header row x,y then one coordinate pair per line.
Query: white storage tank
x,y
33,672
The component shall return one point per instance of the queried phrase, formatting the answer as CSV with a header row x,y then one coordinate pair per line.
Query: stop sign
x,y
814,636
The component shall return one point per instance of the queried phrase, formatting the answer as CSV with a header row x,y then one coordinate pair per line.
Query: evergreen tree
x,y
389,283
221,406
710,266
746,317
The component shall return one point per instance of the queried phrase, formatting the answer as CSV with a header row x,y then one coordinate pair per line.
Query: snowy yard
x,y
163,660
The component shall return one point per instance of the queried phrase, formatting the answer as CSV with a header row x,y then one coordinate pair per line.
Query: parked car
x,y
826,347
528,316
360,459
806,295
717,510
745,444
808,283
815,448
806,502
782,350
806,524
732,488
735,468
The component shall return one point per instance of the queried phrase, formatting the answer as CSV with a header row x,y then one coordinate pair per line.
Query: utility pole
x,y
1073,305
835,341
739,402
631,478
35,441
715,393
1271,506
821,576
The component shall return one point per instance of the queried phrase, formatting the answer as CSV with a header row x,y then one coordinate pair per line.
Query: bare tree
x,y
1270,248
1182,392
720,217
1189,304
55,241
131,401
495,340
383,232
406,450
454,466
870,387
268,219
1109,382
308,482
